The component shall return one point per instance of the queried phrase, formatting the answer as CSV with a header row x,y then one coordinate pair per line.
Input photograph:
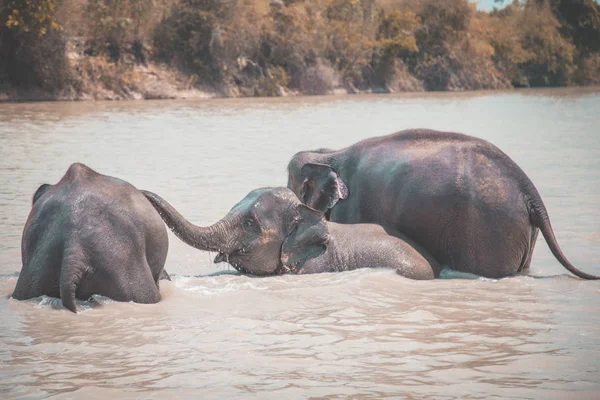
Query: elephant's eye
x,y
249,223
294,226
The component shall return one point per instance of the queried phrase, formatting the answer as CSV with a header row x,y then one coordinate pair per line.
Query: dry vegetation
x,y
156,48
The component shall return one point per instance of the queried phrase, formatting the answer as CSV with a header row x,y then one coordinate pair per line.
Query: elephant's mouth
x,y
231,260
221,257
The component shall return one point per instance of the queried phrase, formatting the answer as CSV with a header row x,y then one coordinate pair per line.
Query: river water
x,y
360,334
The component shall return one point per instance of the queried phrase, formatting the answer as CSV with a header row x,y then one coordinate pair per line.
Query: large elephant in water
x,y
460,198
270,232
92,234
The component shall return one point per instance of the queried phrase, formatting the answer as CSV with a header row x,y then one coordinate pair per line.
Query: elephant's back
x,y
437,163
411,145
120,207
96,207
386,175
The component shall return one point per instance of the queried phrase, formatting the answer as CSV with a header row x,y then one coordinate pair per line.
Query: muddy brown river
x,y
361,334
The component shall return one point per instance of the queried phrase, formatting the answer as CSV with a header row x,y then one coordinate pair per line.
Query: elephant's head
x,y
265,233
317,185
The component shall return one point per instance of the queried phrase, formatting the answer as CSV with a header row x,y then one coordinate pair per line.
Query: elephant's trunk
x,y
212,238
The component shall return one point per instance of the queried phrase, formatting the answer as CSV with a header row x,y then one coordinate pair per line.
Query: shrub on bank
x,y
271,47
32,46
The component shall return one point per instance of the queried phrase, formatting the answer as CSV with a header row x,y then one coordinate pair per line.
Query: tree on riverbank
x,y
270,47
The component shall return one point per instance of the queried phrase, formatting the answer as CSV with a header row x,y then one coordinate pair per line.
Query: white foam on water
x,y
48,302
82,305
213,286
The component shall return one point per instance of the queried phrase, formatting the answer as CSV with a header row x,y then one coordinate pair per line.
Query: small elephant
x,y
92,234
462,199
271,232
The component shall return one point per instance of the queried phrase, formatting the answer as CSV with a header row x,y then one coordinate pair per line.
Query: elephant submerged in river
x,y
92,234
270,232
455,197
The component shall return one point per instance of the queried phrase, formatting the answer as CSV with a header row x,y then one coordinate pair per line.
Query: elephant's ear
x,y
322,187
38,193
307,236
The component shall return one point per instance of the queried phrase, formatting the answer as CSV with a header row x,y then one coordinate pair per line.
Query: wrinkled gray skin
x,y
455,197
270,232
92,234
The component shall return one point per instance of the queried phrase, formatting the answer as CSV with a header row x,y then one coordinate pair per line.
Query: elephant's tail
x,y
70,275
540,218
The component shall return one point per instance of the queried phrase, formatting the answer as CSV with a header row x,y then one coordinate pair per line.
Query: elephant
x,y
270,232
458,198
92,234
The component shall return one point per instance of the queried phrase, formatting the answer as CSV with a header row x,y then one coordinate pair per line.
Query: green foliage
x,y
550,61
186,38
348,47
32,46
263,48
453,53
294,38
442,21
31,16
115,24
580,21
503,34
394,40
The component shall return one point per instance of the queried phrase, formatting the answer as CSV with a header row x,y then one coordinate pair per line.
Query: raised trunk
x,y
211,238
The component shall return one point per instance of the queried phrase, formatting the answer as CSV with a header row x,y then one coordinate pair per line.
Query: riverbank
x,y
105,81
96,77
169,49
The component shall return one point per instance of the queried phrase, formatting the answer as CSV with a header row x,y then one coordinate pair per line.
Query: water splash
x,y
95,301
217,284
448,273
